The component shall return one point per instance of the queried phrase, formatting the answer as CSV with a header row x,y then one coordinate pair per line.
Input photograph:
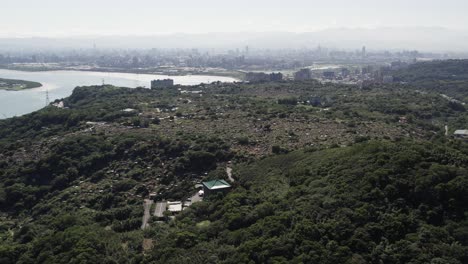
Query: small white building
x,y
174,207
461,134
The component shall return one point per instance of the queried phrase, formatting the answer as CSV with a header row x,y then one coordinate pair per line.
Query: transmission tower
x,y
47,99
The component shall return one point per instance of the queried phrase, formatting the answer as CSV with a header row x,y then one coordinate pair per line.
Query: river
x,y
60,84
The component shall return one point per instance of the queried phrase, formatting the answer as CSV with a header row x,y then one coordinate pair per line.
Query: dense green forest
x,y
436,70
324,173
447,77
370,203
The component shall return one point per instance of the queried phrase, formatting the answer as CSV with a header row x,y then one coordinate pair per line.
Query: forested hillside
x,y
376,202
321,173
446,77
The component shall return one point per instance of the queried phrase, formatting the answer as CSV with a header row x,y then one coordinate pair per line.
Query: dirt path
x,y
147,244
146,216
229,173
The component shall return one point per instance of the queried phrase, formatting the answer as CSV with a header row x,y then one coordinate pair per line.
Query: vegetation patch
x,y
17,85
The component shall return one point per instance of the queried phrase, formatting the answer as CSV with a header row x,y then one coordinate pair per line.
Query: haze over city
x,y
266,24
52,18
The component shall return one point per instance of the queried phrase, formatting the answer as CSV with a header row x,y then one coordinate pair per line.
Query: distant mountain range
x,y
422,39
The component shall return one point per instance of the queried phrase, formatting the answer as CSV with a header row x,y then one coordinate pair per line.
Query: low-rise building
x,y
174,207
461,134
190,92
215,186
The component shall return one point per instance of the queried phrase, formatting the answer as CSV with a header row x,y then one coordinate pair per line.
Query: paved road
x,y
160,209
229,173
146,216
196,198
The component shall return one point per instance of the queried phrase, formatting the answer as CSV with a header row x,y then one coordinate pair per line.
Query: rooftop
x,y
461,132
174,206
216,184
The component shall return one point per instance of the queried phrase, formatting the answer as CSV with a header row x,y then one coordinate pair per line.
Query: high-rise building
x,y
263,77
329,75
155,84
344,72
303,74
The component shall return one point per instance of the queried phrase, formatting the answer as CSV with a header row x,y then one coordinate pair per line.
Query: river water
x,y
60,84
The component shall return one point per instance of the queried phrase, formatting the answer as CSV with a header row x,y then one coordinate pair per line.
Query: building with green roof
x,y
215,186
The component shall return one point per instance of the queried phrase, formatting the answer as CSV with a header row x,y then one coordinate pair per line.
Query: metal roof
x,y
216,184
174,206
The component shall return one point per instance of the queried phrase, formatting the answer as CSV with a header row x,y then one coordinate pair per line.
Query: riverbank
x,y
17,85
170,71
60,84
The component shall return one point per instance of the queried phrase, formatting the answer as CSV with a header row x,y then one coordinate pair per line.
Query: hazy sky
x,y
146,17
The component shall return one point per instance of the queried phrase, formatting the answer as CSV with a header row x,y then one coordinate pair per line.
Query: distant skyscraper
x,y
166,83
303,74
363,53
246,50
